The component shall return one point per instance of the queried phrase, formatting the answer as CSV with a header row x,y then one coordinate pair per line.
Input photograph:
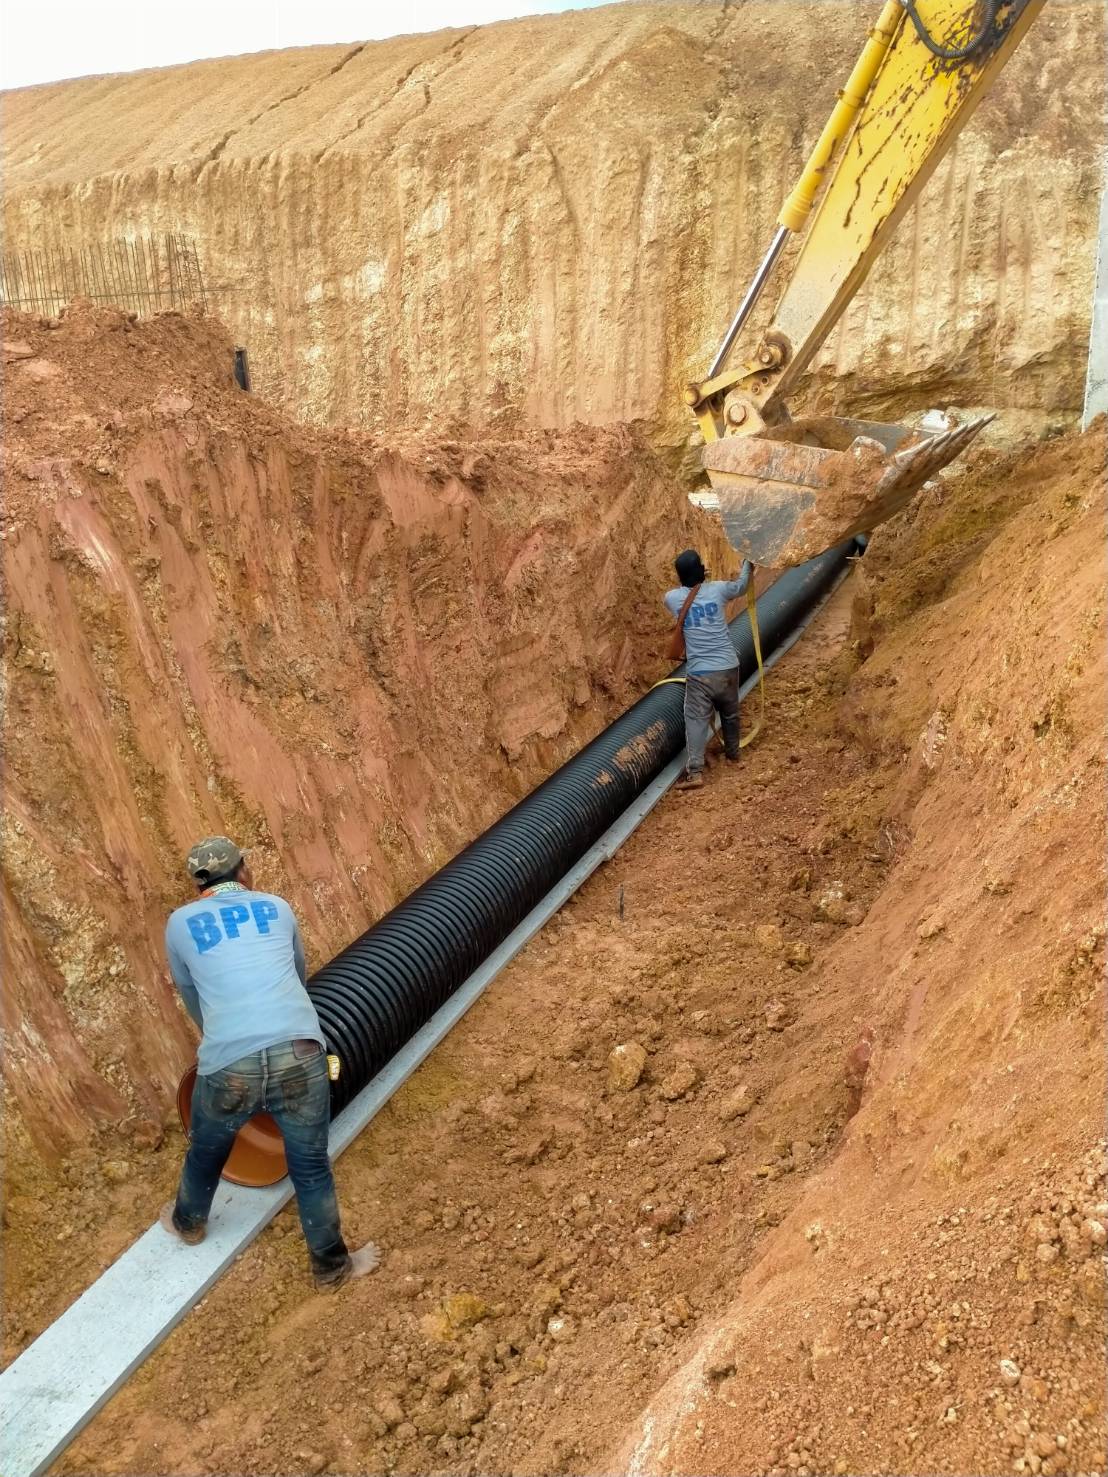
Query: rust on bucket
x,y
257,1156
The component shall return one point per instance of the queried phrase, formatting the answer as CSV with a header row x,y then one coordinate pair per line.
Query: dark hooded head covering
x,y
690,568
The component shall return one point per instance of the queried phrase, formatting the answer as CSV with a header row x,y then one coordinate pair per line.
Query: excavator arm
x,y
788,489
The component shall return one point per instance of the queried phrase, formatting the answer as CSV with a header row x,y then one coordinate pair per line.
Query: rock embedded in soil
x,y
470,1406
146,1134
441,1381
545,1300
464,1309
625,1066
778,1015
769,939
680,1081
830,906
931,928
720,1367
666,1219
737,1104
460,1311
41,370
390,1410
713,1151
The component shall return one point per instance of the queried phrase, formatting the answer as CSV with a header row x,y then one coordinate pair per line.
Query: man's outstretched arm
x,y
734,588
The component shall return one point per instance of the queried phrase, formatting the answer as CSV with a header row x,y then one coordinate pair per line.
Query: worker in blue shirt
x,y
712,673
237,960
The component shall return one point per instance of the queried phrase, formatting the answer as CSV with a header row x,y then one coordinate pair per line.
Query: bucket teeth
x,y
912,467
783,501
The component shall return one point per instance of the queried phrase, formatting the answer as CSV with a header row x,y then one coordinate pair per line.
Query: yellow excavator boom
x,y
788,489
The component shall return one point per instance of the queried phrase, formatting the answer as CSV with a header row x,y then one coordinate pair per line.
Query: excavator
x,y
787,489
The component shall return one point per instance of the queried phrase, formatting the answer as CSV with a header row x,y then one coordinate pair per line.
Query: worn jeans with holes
x,y
295,1091
714,692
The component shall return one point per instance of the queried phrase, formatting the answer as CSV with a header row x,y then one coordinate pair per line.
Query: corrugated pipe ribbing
x,y
378,992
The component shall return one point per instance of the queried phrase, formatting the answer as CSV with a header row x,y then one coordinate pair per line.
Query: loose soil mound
x,y
935,1300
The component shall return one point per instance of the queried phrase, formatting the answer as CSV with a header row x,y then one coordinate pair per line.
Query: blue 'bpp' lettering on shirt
x,y
205,931
704,612
232,916
207,934
263,912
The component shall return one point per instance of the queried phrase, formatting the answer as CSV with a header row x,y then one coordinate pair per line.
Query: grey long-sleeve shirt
x,y
708,644
238,963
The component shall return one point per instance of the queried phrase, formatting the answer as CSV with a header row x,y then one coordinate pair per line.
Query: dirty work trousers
x,y
294,1089
712,692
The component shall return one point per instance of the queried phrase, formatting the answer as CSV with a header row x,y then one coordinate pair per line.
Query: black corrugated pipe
x,y
376,994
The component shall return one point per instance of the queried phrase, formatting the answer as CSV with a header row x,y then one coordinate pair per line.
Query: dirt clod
x,y
625,1066
679,1082
712,1151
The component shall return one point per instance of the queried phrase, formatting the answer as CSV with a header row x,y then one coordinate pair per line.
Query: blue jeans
x,y
294,1089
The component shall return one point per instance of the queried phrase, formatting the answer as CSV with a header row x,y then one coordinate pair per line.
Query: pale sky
x,y
76,38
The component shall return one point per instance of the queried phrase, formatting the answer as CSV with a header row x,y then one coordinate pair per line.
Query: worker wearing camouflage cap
x,y
237,960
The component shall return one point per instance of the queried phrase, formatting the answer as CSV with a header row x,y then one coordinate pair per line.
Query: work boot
x,y
190,1238
690,781
360,1263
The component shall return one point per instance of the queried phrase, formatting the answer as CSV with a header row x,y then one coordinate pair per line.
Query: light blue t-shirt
x,y
708,644
237,959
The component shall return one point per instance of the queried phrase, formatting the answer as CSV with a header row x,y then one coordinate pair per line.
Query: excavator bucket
x,y
792,491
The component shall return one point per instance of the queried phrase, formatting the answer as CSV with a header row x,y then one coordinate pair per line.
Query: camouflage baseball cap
x,y
215,856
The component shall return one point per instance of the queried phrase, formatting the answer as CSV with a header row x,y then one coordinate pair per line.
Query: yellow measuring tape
x,y
752,611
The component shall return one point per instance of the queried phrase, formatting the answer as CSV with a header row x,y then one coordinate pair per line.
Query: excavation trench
x,y
640,747
731,1266
378,992
722,1269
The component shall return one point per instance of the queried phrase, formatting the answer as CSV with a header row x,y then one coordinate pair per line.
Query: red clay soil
x,y
851,1217
350,655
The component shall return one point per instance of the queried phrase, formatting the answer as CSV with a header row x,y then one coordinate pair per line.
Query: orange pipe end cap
x,y
257,1157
